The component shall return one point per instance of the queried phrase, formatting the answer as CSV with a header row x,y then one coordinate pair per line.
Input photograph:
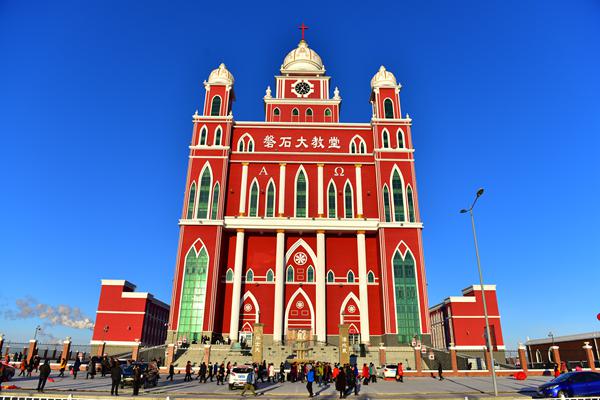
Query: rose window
x,y
351,309
248,307
300,258
300,304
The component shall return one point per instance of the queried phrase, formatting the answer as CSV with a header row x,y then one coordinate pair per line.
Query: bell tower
x,y
219,93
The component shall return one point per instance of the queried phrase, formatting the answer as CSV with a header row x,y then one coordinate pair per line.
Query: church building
x,y
300,223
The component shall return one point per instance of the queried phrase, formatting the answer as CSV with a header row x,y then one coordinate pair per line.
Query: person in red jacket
x,y
399,373
365,374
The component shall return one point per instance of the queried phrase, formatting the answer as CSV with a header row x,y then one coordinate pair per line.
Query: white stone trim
x,y
117,282
249,295
298,292
114,342
121,312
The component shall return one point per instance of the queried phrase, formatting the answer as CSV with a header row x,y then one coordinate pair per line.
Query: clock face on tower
x,y
302,88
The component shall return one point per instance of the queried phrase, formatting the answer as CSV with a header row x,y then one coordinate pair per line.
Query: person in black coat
x,y
340,383
44,374
137,379
171,372
115,376
440,371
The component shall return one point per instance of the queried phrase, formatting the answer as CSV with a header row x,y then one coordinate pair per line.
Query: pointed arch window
x,y
241,145
270,200
250,145
191,201
295,112
385,139
388,108
204,196
203,136
348,201
215,107
276,112
411,205
397,196
214,208
350,277
301,194
353,147
309,115
193,296
371,277
289,274
229,275
362,148
218,133
253,207
249,276
386,204
400,134
331,201
310,274
328,112
330,277
270,276
405,292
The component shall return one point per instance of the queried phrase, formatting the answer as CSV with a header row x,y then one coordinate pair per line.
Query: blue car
x,y
572,384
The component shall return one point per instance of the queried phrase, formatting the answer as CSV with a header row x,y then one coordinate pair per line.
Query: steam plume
x,y
64,315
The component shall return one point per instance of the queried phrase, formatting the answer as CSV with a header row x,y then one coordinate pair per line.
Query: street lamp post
x,y
37,329
485,313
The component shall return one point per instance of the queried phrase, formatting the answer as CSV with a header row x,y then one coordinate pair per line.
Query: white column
x,y
359,202
320,190
362,286
237,286
281,208
243,190
279,287
321,326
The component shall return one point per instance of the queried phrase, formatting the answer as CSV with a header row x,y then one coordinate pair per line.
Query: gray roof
x,y
567,338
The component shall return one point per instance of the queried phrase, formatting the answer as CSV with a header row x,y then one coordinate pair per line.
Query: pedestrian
x,y
44,374
210,371
556,371
23,367
63,366
30,366
137,379
76,366
340,382
188,372
281,372
115,376
440,371
373,373
310,378
249,385
171,372
202,373
91,369
354,381
221,374
271,376
400,373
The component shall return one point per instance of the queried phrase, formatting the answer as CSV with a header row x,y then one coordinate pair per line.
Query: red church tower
x,y
300,222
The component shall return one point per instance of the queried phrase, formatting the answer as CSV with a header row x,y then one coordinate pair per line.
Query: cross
x,y
303,28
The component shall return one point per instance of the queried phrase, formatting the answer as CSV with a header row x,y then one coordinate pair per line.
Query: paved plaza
x,y
412,388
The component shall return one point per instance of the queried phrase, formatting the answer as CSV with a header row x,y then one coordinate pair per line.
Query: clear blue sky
x,y
96,101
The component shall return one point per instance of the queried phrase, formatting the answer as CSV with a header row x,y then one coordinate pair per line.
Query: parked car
x,y
238,376
9,372
572,384
149,371
389,371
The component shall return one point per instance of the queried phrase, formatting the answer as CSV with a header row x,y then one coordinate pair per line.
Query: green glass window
x,y
276,112
327,112
193,295
388,107
214,208
386,203
241,145
270,203
253,208
289,274
330,276
331,201
309,112
295,112
229,275
400,139
310,274
218,133
191,201
370,277
203,135
215,107
205,187
405,290
270,276
411,205
397,196
348,201
250,145
386,139
352,147
363,148
249,276
301,195
350,277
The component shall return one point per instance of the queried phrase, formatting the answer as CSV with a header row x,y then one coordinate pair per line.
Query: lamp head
x,y
479,192
463,211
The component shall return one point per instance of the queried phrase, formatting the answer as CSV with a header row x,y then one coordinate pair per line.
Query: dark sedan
x,y
572,384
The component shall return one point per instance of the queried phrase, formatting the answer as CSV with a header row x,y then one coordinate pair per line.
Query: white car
x,y
389,371
239,376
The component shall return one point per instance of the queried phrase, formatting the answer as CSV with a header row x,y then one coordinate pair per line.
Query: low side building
x,y
571,349
459,322
126,318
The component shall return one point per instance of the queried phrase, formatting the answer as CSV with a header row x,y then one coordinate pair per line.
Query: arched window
x,y
388,108
301,194
295,112
350,277
362,148
241,145
193,298
400,135
270,200
249,276
348,201
214,208
229,275
370,277
289,274
215,108
405,291
310,274
327,112
253,206
270,276
250,145
331,201
397,196
276,112
218,133
386,204
191,201
203,135
309,114
330,277
353,147
386,139
204,196
411,206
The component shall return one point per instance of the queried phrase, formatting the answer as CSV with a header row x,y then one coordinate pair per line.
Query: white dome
x,y
220,76
383,78
302,59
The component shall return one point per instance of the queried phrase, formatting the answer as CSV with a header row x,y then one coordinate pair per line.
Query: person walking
x,y
210,370
23,367
188,372
373,373
137,379
76,366
399,373
340,382
44,374
310,378
91,371
354,381
30,366
221,374
202,373
271,376
171,372
115,376
281,372
62,368
440,371
249,385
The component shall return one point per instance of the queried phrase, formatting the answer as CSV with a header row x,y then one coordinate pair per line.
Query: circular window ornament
x,y
300,258
248,307
351,309
302,88
299,304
